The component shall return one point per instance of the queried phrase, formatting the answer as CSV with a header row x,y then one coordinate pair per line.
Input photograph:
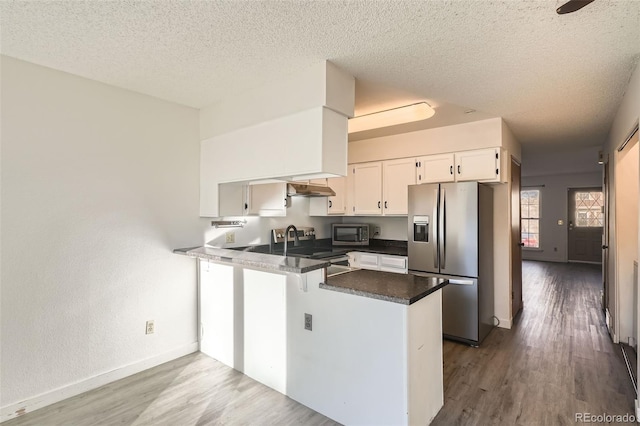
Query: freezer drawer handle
x,y
461,282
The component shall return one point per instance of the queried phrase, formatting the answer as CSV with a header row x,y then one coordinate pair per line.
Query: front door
x,y
516,241
586,218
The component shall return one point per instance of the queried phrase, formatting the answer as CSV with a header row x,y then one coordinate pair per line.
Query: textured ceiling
x,y
555,79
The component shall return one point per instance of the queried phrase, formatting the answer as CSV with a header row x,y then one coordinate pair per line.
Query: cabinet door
x,y
265,328
480,165
366,260
436,168
397,264
367,188
217,310
233,199
268,199
397,175
337,204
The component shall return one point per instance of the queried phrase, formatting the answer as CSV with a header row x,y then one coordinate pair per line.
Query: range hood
x,y
301,189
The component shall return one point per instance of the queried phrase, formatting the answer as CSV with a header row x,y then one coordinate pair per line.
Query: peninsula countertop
x,y
254,260
405,289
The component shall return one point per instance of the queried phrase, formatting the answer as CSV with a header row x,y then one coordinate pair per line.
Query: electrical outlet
x,y
308,321
376,230
231,237
150,327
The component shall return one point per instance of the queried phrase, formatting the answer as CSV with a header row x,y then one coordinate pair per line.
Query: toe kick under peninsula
x,y
362,347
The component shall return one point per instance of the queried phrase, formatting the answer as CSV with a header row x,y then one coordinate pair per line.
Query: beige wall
x,y
461,137
626,225
625,121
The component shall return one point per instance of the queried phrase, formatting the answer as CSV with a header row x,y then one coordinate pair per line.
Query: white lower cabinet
x,y
218,310
265,328
243,321
378,262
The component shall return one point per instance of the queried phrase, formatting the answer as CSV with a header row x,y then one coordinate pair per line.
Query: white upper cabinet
x,y
233,199
367,188
336,205
483,165
479,165
397,175
269,199
435,168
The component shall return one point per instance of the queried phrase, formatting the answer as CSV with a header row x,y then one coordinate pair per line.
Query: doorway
x,y
516,240
586,219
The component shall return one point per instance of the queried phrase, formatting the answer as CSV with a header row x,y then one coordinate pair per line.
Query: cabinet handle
x,y
285,202
451,169
330,203
419,177
246,206
385,205
458,168
417,164
378,204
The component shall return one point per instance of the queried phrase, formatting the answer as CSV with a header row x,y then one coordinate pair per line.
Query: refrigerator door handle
x,y
434,230
443,226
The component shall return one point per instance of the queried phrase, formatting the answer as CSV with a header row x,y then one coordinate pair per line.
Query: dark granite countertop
x,y
398,288
254,260
391,247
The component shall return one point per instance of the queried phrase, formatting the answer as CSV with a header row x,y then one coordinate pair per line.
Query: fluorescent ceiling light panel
x,y
391,117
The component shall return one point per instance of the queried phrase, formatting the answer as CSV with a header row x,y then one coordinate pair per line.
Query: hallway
x,y
556,361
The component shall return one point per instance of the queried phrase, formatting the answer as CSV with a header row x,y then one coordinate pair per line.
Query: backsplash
x,y
257,229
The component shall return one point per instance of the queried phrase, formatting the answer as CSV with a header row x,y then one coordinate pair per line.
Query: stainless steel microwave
x,y
350,234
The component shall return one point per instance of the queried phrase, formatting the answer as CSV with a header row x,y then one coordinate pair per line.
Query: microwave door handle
x,y
359,234
434,233
443,229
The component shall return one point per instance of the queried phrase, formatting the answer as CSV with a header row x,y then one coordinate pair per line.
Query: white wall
x,y
625,121
99,185
554,207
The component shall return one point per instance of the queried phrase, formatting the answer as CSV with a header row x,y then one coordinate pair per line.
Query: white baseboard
x,y
505,323
47,398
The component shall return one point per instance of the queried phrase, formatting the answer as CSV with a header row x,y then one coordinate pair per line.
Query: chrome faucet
x,y
296,240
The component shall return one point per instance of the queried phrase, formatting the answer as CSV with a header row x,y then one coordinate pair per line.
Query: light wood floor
x,y
557,360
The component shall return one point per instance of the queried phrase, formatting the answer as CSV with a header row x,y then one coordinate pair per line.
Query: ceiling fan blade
x,y
572,6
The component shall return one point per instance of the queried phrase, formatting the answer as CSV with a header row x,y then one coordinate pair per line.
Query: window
x,y
530,214
589,209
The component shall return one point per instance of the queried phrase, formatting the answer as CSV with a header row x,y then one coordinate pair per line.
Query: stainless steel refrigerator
x,y
451,235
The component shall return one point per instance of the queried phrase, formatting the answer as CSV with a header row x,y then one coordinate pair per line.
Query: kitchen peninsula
x,y
362,347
